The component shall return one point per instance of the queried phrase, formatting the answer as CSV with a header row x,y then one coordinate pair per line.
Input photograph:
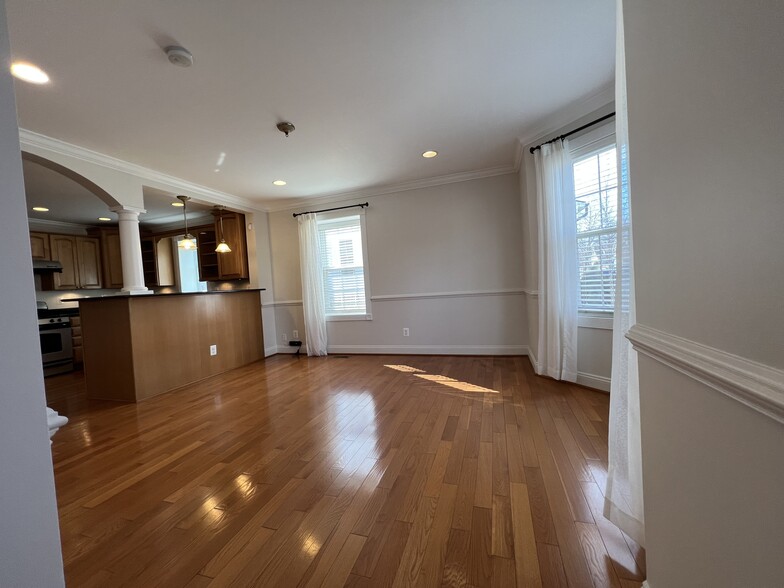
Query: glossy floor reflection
x,y
341,471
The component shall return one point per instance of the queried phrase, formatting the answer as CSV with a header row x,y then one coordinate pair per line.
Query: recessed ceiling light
x,y
104,218
29,73
178,204
40,209
429,154
279,182
217,169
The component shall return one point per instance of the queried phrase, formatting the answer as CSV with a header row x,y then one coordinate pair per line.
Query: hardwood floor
x,y
355,471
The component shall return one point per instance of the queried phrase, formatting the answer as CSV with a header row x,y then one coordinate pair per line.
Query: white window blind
x,y
340,245
595,190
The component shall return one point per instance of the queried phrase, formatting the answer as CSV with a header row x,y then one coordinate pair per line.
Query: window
x,y
595,191
342,248
187,268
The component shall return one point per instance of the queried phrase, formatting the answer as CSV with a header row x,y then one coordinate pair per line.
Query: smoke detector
x,y
179,56
285,128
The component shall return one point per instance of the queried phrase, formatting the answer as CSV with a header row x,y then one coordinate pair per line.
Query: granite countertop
x,y
139,296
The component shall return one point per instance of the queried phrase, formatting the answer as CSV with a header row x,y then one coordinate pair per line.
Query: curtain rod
x,y
577,130
296,214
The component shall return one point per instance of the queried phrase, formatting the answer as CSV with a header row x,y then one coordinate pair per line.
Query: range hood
x,y
42,266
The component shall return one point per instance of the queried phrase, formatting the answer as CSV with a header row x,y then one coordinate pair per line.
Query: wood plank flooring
x,y
342,471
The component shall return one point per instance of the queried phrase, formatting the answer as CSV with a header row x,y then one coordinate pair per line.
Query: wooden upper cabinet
x,y
39,245
63,249
233,265
111,260
81,261
88,257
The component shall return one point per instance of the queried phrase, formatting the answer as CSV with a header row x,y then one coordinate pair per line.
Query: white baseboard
x,y
593,381
419,349
432,349
270,351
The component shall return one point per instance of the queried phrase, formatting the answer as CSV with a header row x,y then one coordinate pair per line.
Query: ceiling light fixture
x,y
104,218
429,154
177,204
188,242
285,128
222,247
279,183
29,73
179,56
40,209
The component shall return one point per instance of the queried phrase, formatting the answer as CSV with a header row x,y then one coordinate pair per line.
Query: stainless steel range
x,y
56,344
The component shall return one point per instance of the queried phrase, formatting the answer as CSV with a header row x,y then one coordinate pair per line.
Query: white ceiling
x,y
368,84
70,202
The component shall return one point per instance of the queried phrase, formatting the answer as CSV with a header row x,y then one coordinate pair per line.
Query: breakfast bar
x,y
136,347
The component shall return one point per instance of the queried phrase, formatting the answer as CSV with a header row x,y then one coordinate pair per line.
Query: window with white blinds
x,y
342,265
595,191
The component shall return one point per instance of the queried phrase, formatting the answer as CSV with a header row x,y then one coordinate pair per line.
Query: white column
x,y
131,249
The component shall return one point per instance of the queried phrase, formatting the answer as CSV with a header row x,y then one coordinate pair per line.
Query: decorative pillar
x,y
131,250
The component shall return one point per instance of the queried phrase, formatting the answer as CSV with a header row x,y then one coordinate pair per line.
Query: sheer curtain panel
x,y
312,286
559,286
623,500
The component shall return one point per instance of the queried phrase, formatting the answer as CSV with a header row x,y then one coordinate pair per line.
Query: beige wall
x,y
461,242
29,533
706,88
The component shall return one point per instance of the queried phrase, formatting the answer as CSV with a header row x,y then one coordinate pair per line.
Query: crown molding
x,y
61,225
281,205
31,139
756,385
552,124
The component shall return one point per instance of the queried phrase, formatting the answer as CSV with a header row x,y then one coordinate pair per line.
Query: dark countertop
x,y
140,296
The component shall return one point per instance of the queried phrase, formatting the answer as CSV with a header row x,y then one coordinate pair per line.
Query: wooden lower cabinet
x,y
76,339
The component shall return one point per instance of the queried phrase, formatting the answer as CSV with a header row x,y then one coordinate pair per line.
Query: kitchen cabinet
x,y
157,261
39,245
81,261
223,266
111,259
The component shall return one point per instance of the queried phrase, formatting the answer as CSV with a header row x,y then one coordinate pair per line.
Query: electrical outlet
x,y
213,350
405,331
295,334
285,338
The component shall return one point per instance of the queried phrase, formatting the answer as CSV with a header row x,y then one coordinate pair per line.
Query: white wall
x,y
706,88
452,257
29,533
594,347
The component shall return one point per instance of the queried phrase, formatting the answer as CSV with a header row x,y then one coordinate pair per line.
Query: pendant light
x,y
188,242
222,247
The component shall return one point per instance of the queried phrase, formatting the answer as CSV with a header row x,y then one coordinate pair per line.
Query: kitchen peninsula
x,y
136,347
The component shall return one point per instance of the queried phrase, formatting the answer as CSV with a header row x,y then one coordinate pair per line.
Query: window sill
x,y
349,317
595,320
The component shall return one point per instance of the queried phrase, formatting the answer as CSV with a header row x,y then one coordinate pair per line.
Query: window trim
x,y
585,145
367,315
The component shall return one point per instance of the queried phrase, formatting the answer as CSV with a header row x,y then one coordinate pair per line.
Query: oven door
x,y
56,345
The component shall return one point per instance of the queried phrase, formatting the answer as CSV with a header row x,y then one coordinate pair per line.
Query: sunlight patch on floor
x,y
457,384
405,368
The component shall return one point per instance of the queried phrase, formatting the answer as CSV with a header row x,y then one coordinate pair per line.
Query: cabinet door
x,y
63,249
39,245
112,260
234,265
88,256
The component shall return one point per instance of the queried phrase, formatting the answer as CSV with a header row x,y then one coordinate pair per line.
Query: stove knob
x,y
51,320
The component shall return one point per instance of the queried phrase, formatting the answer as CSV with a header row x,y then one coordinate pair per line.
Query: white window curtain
x,y
312,285
623,495
558,279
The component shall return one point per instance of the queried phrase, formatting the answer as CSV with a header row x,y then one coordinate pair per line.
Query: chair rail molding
x,y
756,385
456,294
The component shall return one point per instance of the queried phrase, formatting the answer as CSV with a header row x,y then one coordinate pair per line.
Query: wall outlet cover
x,y
405,331
284,337
295,334
213,350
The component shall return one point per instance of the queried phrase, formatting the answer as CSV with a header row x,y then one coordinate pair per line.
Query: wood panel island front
x,y
136,347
